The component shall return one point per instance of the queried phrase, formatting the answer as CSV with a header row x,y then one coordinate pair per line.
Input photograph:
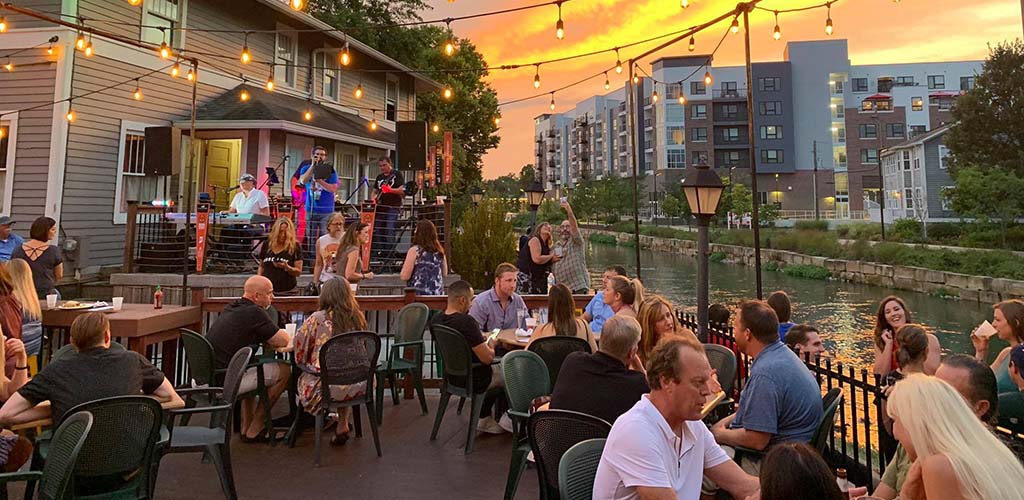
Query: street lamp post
x,y
703,189
476,194
534,196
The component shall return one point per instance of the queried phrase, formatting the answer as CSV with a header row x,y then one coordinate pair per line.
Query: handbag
x,y
312,289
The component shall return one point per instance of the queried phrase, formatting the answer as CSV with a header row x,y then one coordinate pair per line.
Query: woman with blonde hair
x,y
281,256
1008,321
562,319
621,293
657,320
327,247
31,312
348,262
954,455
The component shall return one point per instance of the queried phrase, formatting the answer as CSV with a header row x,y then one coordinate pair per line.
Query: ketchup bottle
x,y
158,298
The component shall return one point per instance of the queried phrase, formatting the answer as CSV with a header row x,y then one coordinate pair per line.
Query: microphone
x,y
236,186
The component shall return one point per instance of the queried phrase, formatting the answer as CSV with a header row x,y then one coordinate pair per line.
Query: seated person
x,y
597,312
805,342
779,302
486,376
498,307
91,371
609,382
660,449
781,401
244,323
562,320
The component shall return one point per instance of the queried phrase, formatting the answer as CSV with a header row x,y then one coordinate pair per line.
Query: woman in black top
x,y
535,259
44,259
281,256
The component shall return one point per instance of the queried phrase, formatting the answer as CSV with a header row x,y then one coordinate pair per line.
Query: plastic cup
x,y
290,328
51,300
354,287
559,251
118,303
531,323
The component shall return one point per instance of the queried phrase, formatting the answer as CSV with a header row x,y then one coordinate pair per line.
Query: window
x,y
672,90
6,162
860,84
698,88
391,99
868,131
771,108
159,14
674,112
330,75
966,83
917,130
730,134
839,158
916,104
869,155
728,158
698,111
132,183
771,156
762,198
936,81
699,134
837,87
943,157
945,196
771,131
904,81
895,130
839,134
944,103
729,89
284,68
675,136
906,160
908,195
837,110
699,157
676,158
769,84
729,111
885,85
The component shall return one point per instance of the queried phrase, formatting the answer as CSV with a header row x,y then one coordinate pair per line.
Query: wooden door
x,y
222,170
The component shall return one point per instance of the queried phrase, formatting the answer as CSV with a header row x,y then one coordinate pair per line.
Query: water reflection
x,y
844,312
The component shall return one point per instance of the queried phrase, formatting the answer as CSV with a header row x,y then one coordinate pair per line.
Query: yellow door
x,y
223,157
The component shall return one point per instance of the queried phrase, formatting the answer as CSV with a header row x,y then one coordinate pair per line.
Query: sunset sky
x,y
879,31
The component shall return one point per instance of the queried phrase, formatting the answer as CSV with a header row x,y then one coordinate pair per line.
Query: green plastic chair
x,y
407,332
578,468
526,378
55,477
1011,411
458,362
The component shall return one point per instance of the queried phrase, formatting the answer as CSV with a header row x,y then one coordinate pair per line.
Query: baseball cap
x,y
1017,357
247,177
5,221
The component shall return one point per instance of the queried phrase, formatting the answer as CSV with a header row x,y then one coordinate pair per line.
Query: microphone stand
x,y
271,174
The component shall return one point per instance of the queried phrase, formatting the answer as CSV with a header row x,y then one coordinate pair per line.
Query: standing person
x,y
390,187
9,240
45,260
954,455
327,247
779,301
1008,320
562,320
31,312
597,312
425,265
658,320
281,256
535,259
337,313
249,200
571,270
499,307
620,294
892,314
348,262
318,180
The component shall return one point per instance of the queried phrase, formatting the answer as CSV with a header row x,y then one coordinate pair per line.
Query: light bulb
x,y
270,84
137,94
80,41
70,117
552,105
191,76
296,4
828,26
436,128
244,95
134,3
373,124
1,133
359,91
693,44
449,48
654,96
618,63
448,92
9,66
246,55
3,24
536,78
88,49
165,50
560,29
49,50
497,121
308,115
682,98
636,79
346,56
607,84
707,78
175,70
777,34
684,3
735,27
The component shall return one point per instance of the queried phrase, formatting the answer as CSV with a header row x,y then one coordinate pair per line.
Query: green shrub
x,y
811,225
860,231
945,233
625,226
716,257
603,239
822,244
485,241
982,236
807,271
1014,237
859,250
906,230
771,266
611,219
740,237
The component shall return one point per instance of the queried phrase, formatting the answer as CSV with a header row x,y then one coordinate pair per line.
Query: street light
x,y
476,195
534,196
703,189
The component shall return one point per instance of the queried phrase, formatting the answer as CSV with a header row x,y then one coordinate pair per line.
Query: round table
x,y
509,338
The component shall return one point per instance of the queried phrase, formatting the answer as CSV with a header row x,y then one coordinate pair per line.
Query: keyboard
x,y
225,219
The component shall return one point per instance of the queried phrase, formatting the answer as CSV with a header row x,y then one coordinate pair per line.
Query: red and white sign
x,y
367,217
447,157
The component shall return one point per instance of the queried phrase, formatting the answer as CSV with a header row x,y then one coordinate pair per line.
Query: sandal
x,y
339,439
262,437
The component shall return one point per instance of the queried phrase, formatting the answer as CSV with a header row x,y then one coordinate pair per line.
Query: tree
x,y
989,119
484,240
671,206
527,175
988,194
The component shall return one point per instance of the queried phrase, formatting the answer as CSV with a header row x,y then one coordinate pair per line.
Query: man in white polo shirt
x,y
660,449
249,200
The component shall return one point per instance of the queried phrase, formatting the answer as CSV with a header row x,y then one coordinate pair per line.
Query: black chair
x,y
215,439
1011,411
723,360
457,360
554,350
552,433
830,403
55,477
347,359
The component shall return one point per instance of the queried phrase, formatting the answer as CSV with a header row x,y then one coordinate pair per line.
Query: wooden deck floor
x,y
412,467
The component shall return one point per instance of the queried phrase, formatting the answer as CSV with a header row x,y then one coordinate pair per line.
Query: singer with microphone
x,y
249,200
319,181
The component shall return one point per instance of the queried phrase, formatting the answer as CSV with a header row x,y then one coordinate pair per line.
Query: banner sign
x,y
447,157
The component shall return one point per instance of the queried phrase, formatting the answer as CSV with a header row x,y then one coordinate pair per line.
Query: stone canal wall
x,y
974,288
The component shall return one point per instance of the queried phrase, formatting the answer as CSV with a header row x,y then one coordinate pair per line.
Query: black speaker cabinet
x,y
412,145
163,147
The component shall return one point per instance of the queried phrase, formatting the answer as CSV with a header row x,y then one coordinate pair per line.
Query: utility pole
x,y
881,179
817,212
754,222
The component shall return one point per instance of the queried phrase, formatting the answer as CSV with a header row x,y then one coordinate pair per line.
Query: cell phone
x,y
494,334
563,199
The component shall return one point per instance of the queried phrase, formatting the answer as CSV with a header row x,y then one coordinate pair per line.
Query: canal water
x,y
843,312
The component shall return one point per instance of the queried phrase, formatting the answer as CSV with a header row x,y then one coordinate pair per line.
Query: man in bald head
x,y
245,322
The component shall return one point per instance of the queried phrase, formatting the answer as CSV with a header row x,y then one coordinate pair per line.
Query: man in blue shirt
x,y
320,182
9,240
781,401
597,312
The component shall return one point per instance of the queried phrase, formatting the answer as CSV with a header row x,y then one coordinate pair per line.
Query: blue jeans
x,y
316,226
385,223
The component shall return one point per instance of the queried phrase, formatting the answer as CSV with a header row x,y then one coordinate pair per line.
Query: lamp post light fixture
x,y
534,196
476,194
703,189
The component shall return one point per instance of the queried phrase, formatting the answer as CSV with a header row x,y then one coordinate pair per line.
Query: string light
x,y
80,41
449,44
138,91
436,128
346,56
270,80
654,96
3,24
707,78
246,55
735,27
373,122
560,25
296,4
693,43
828,20
607,84
70,116
448,92
191,76
682,98
636,76
10,65
497,121
49,50
135,3
618,62
359,91
88,48
175,70
684,3
777,33
244,95
165,50
552,105
536,78
307,115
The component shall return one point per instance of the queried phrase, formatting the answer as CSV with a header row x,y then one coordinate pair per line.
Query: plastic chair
x,y
526,377
408,339
830,403
55,477
1011,411
457,359
552,433
215,439
723,361
578,469
554,350
199,354
347,359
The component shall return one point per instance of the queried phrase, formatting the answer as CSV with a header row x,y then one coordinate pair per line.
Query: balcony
x,y
729,94
551,133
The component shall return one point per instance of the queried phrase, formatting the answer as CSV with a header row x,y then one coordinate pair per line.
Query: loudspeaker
x,y
162,151
412,145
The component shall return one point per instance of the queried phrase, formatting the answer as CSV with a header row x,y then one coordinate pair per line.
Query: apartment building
x,y
916,178
818,123
83,172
